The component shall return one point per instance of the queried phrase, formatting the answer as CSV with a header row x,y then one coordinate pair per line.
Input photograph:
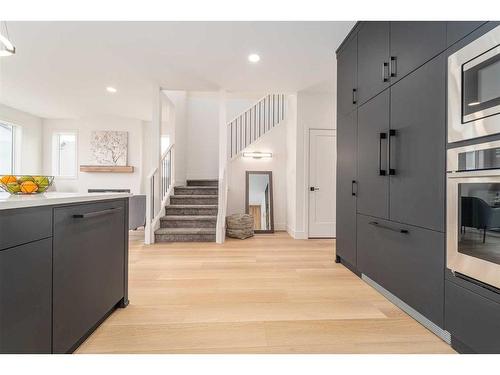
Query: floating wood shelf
x,y
106,168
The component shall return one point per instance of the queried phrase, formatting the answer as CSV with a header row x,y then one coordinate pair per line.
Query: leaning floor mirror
x,y
259,200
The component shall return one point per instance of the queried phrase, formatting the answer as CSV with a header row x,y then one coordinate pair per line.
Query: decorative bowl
x,y
25,184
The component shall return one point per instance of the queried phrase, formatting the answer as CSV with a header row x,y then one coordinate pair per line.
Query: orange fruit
x,y
8,179
29,187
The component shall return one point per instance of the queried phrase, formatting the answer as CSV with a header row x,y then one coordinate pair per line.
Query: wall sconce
x,y
258,155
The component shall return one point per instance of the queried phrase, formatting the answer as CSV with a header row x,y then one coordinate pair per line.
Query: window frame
x,y
16,146
56,154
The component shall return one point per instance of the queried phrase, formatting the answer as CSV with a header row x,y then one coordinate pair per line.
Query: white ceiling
x,y
61,69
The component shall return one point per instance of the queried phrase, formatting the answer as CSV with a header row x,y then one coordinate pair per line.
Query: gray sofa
x,y
136,207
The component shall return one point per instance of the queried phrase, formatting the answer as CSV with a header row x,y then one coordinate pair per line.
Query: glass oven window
x,y
481,86
479,220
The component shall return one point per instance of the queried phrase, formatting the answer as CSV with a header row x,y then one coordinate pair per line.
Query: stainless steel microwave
x,y
474,89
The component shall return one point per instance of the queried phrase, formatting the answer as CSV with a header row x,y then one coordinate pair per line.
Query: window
x,y
64,160
6,149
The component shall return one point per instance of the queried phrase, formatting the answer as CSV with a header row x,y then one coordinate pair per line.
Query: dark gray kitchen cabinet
x,y
372,157
88,269
456,30
21,226
413,43
406,260
25,298
346,187
347,77
417,187
373,59
472,318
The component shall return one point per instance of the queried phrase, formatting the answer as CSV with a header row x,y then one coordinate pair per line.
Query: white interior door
x,y
322,176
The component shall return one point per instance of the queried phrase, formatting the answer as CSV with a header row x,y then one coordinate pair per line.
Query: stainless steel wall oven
x,y
473,212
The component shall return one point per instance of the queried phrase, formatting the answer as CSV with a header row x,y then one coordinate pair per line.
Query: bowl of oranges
x,y
25,184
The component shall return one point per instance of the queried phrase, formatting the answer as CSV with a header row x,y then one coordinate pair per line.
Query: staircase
x,y
191,215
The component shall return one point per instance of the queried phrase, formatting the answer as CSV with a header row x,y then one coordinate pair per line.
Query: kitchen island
x,y
63,268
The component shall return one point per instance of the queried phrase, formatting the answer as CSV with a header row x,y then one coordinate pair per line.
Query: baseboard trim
x,y
438,331
298,235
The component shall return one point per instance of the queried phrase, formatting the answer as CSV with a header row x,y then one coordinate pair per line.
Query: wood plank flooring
x,y
267,294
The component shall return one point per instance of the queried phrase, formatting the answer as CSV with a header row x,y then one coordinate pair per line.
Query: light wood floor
x,y
268,294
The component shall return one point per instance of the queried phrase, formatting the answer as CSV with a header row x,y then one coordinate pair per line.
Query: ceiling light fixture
x,y
253,58
6,46
258,155
111,89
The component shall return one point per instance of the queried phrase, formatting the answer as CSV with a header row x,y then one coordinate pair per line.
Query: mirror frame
x,y
271,206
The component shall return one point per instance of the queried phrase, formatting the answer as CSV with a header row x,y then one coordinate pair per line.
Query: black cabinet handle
x,y
385,71
381,172
376,224
97,213
354,96
394,66
392,133
354,188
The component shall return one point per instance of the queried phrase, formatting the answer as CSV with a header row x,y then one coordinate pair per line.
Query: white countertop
x,y
8,201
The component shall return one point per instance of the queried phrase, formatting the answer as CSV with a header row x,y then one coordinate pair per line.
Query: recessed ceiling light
x,y
253,58
111,89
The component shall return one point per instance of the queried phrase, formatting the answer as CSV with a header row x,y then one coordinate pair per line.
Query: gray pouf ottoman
x,y
239,226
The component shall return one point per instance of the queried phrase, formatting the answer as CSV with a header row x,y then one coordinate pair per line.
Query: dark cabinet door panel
x,y
417,188
405,260
25,298
23,225
346,187
373,188
347,77
88,268
456,30
472,319
413,43
373,59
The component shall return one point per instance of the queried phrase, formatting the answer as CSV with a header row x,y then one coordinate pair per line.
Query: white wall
x,y
202,151
84,127
236,103
30,139
315,110
274,141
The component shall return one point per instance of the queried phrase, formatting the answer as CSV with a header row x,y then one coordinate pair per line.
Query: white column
x,y
221,217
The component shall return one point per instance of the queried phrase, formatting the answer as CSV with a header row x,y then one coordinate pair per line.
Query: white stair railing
x,y
160,186
253,123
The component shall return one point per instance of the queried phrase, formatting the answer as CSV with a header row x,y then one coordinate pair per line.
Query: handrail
x,y
166,151
160,184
